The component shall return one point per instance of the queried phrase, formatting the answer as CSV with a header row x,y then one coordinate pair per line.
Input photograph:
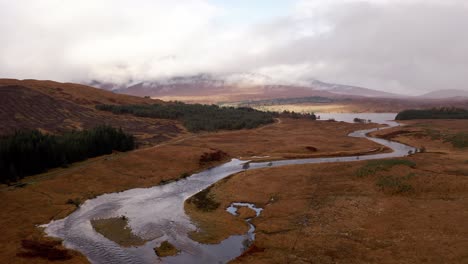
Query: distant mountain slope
x,y
350,90
448,93
236,87
56,107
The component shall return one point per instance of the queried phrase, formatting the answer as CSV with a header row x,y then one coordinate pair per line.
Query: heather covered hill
x,y
76,93
57,107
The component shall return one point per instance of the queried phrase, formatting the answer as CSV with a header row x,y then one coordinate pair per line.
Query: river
x,y
157,214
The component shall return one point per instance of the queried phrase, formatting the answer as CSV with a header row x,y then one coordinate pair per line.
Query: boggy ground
x,y
409,210
289,139
55,194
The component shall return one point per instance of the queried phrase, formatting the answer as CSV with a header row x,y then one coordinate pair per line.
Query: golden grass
x,y
45,196
166,249
325,213
117,230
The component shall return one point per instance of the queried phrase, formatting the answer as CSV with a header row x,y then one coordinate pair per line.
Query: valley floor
x,y
412,210
53,195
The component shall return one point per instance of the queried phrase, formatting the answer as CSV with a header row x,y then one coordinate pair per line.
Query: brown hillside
x,y
77,93
57,107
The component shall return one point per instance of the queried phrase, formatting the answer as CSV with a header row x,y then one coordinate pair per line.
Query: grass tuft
x,y
395,184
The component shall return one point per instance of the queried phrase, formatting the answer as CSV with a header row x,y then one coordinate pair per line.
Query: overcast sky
x,y
402,46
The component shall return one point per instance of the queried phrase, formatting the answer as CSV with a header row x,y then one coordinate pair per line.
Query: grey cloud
x,y
409,46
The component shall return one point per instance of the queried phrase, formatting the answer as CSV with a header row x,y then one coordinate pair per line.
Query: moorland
x,y
405,210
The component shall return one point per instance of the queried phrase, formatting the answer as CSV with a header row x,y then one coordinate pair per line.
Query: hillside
x,y
449,93
76,93
57,107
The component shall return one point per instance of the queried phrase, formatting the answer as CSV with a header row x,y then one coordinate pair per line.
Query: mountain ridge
x,y
237,86
446,93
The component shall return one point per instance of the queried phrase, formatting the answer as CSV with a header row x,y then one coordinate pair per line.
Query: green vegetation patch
x,y
166,249
434,113
433,134
204,200
198,117
395,184
374,166
459,140
29,152
117,230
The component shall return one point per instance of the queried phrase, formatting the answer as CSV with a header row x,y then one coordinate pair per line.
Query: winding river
x,y
157,214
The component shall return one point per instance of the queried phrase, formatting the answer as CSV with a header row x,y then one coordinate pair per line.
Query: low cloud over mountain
x,y
410,46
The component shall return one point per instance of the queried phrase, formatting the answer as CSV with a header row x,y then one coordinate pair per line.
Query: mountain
x,y
449,93
350,90
236,87
56,107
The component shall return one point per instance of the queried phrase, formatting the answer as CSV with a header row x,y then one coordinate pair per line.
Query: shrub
x,y
204,201
208,157
43,249
76,202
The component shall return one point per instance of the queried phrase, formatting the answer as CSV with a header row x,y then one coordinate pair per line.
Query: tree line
x,y
198,117
434,113
29,152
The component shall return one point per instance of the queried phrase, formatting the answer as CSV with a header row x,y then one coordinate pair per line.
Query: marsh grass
x,y
117,230
374,166
395,184
459,140
166,249
433,134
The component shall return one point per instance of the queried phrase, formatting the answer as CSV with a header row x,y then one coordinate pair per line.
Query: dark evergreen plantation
x,y
198,117
434,113
30,152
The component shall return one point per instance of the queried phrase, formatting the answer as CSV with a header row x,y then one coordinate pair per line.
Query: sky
x,y
400,46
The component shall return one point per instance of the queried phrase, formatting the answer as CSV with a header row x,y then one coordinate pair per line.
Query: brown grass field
x,y
46,197
332,213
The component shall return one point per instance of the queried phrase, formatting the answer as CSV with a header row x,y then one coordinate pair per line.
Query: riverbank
x,y
409,210
53,195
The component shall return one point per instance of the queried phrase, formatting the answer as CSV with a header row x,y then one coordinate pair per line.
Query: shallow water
x,y
380,118
157,214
